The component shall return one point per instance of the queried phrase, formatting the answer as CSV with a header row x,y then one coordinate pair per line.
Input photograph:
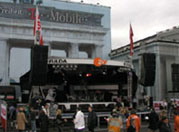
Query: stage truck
x,y
83,82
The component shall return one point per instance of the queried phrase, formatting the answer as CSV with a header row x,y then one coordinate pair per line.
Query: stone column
x,y
73,50
158,89
4,62
98,51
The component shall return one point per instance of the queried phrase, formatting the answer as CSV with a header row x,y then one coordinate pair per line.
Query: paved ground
x,y
143,129
70,129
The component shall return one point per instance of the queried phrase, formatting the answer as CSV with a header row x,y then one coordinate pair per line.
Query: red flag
x,y
38,38
3,115
131,41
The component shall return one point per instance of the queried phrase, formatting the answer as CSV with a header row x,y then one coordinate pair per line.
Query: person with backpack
x,y
137,120
132,127
92,119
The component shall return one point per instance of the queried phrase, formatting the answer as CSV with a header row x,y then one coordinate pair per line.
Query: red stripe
x,y
34,26
131,41
37,26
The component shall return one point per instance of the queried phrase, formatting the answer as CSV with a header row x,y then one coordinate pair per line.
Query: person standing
x,y
165,126
137,120
162,114
21,120
115,123
59,120
132,127
92,118
176,122
153,121
79,121
44,119
33,119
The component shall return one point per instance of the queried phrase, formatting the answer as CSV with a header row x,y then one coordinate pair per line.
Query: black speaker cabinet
x,y
175,77
148,66
39,56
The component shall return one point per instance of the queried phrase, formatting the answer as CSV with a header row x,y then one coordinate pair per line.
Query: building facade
x,y
73,27
165,46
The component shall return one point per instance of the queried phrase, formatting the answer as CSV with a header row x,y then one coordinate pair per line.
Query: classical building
x,y
73,27
164,70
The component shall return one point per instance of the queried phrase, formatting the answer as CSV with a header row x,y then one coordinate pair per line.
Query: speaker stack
x,y
148,66
39,56
175,77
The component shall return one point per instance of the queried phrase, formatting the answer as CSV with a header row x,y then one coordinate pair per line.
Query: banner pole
x,y
6,118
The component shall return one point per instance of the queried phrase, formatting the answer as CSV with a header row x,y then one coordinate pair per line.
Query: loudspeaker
x,y
148,64
39,56
151,102
175,77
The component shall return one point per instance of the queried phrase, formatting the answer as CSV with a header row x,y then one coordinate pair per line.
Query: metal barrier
x,y
100,115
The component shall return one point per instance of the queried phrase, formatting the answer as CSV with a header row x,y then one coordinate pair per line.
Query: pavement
x,y
144,128
70,129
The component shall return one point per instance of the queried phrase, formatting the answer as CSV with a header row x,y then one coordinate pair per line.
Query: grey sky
x,y
146,16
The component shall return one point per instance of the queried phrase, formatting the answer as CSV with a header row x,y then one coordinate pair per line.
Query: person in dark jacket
x,y
91,119
43,119
33,119
59,120
153,121
165,126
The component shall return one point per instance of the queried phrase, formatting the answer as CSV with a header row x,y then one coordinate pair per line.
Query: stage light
x,y
104,73
80,74
88,75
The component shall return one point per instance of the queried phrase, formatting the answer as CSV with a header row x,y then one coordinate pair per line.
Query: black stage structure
x,y
64,74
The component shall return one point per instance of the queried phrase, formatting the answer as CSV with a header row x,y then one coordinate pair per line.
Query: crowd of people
x,y
121,119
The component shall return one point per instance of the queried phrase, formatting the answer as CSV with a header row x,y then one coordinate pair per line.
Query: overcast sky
x,y
146,16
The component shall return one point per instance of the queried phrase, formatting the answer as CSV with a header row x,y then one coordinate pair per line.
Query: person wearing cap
x,y
115,123
137,120
165,126
176,122
79,121
21,120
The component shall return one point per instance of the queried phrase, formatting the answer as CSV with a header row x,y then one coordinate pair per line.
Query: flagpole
x,y
130,56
